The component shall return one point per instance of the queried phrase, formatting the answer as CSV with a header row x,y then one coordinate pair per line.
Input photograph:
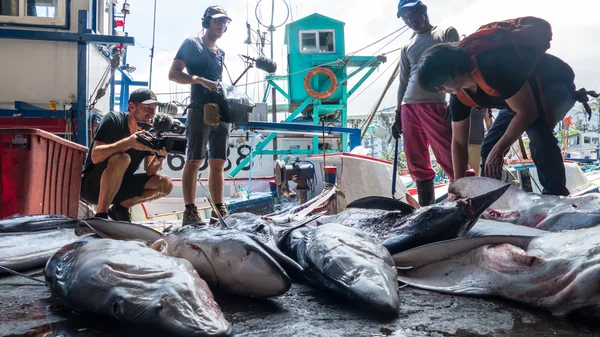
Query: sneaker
x,y
214,218
119,215
191,217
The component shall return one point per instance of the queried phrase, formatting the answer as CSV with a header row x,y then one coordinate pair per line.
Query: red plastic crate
x,y
40,173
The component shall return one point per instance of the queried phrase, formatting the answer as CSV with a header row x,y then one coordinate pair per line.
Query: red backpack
x,y
523,31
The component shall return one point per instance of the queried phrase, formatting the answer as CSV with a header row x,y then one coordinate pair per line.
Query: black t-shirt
x,y
505,71
112,129
200,61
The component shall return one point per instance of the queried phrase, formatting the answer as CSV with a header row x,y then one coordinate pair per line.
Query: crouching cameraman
x,y
115,155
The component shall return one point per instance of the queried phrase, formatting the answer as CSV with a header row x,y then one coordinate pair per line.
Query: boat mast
x,y
152,48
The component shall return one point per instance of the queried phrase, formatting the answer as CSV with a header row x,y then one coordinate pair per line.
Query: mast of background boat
x,y
273,90
271,29
152,48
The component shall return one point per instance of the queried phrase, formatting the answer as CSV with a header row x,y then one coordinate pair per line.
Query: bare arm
x,y
488,119
460,147
154,163
102,151
176,74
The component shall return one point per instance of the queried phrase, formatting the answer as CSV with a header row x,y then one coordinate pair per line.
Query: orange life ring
x,y
323,94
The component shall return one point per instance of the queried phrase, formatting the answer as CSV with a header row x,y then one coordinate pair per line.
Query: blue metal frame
x,y
354,133
83,37
66,26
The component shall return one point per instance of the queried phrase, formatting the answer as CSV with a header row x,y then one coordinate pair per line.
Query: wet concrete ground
x,y
26,309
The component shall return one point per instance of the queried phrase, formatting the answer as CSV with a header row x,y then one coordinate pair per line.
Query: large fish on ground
x,y
131,282
226,258
484,227
559,272
347,262
570,220
401,230
520,207
38,222
25,250
268,233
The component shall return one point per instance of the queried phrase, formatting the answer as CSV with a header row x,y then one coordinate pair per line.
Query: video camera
x,y
155,138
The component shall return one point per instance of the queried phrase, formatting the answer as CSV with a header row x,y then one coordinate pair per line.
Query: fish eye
x,y
118,307
327,261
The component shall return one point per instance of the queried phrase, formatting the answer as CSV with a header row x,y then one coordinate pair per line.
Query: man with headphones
x,y
203,61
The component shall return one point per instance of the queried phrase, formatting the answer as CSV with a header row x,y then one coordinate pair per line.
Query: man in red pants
x,y
421,115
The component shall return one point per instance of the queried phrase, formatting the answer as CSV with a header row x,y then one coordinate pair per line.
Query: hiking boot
x,y
214,218
191,217
119,213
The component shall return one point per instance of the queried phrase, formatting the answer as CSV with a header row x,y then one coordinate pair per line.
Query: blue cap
x,y
404,4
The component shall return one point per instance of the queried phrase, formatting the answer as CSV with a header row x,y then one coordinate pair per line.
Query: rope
x,y
328,63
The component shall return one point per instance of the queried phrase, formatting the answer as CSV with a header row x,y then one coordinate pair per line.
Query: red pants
x,y
424,124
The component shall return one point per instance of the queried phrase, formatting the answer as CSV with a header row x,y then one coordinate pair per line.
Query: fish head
x,y
231,260
475,206
133,283
356,265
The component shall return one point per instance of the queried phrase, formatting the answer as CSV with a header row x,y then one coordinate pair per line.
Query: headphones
x,y
206,19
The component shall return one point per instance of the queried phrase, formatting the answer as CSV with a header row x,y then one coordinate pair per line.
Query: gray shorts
x,y
202,138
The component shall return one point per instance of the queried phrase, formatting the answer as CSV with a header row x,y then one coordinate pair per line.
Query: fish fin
x,y
412,201
168,229
483,270
382,203
297,225
160,246
426,254
120,230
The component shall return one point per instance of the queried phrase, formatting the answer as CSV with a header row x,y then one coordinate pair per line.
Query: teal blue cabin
x,y
312,41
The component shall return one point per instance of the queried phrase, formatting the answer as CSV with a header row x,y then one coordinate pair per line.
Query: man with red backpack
x,y
504,65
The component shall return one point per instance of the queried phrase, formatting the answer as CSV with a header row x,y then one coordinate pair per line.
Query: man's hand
x,y
162,153
208,84
397,127
493,164
135,144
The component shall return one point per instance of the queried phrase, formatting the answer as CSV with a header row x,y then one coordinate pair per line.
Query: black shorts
x,y
200,136
132,185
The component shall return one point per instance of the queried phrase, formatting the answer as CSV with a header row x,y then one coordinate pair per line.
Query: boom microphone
x,y
162,122
263,63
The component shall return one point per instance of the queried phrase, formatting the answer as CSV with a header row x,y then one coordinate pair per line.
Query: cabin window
x,y
574,140
317,41
586,140
595,140
34,12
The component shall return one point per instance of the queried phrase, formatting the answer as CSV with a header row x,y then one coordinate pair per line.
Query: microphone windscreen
x,y
266,64
162,122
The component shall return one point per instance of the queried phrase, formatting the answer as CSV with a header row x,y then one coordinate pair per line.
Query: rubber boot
x,y
426,193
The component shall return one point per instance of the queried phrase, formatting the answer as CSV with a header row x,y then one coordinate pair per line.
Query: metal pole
x,y
273,90
152,49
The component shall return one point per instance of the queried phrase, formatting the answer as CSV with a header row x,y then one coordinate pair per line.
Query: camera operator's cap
x,y
216,12
404,4
144,96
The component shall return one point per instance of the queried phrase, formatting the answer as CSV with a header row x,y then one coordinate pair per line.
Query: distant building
x,y
583,146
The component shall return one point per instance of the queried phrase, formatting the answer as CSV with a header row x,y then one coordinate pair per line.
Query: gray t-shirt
x,y
477,131
410,91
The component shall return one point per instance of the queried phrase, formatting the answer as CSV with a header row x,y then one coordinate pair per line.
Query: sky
x,y
575,32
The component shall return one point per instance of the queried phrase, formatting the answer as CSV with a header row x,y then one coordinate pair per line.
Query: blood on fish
x,y
194,247
494,214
